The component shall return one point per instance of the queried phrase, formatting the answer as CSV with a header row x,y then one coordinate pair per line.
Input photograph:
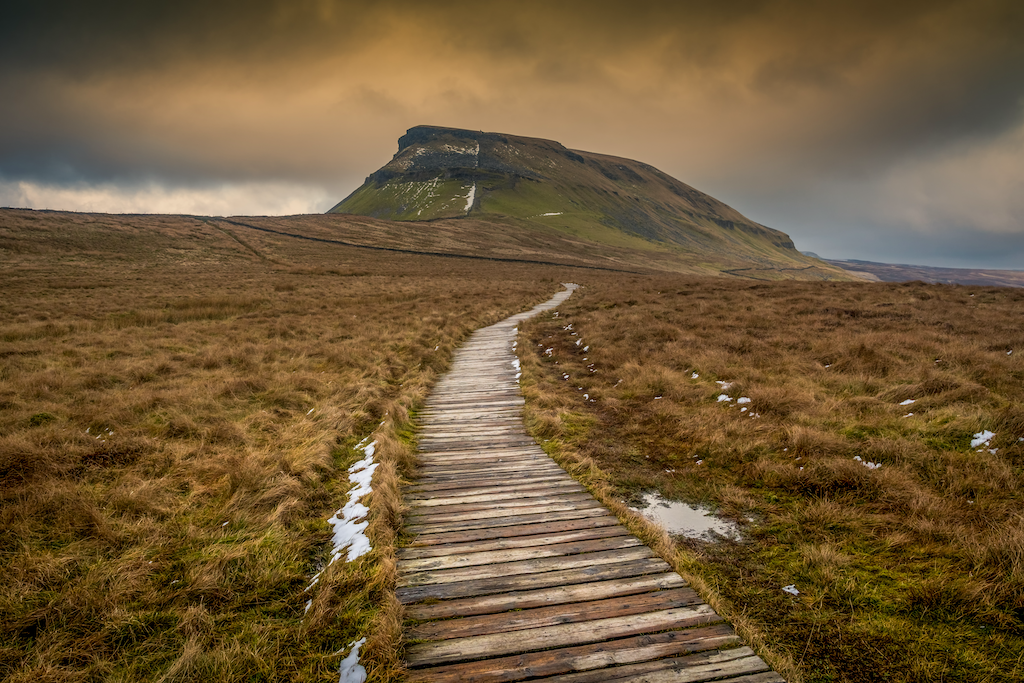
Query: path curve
x,y
517,573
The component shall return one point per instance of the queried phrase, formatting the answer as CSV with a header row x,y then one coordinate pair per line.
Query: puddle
x,y
686,520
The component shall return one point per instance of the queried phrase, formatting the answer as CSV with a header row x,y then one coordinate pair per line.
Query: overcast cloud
x,y
890,133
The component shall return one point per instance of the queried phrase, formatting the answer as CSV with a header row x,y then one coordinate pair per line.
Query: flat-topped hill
x,y
453,173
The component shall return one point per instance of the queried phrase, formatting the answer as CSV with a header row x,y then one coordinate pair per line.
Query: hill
x,y
541,186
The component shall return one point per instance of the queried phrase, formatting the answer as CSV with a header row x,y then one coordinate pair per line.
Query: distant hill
x,y
896,272
449,173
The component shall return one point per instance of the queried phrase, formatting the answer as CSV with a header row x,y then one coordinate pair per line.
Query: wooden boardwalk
x,y
517,573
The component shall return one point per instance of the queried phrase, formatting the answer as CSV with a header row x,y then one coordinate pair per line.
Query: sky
x,y
888,131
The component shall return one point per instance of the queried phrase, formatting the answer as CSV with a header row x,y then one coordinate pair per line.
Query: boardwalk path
x,y
518,573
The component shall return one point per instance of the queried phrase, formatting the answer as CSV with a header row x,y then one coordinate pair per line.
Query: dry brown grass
x,y
910,572
179,405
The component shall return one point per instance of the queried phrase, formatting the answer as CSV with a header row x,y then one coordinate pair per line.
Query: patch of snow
x,y
791,589
983,437
548,352
694,376
907,402
586,397
310,411
585,349
348,529
743,410
578,342
351,671
725,385
909,415
723,397
743,399
656,398
552,214
470,197
868,464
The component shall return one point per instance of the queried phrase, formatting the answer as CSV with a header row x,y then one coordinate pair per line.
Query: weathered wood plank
x,y
695,668
501,559
550,616
525,494
497,533
581,658
529,566
512,520
439,482
498,508
423,492
498,511
504,584
557,595
484,470
535,540
456,459
561,635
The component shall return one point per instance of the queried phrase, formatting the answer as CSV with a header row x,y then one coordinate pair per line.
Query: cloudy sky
x,y
883,130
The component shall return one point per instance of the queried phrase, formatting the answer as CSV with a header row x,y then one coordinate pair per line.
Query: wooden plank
x,y
496,533
499,511
530,449
695,668
581,658
529,566
488,457
508,543
479,509
422,491
561,635
439,481
467,415
510,493
428,446
467,441
431,468
503,560
434,432
550,616
512,520
557,595
485,469
565,577
438,471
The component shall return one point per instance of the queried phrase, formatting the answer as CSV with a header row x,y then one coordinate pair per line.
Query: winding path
x,y
518,573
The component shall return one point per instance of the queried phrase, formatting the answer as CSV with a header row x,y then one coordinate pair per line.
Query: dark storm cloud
x,y
763,98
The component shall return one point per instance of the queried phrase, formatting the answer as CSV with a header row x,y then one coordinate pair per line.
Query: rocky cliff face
x,y
448,172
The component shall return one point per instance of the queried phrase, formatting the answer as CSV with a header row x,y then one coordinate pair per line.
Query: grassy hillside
x,y
541,185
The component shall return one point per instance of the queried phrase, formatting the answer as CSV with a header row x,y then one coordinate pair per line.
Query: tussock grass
x,y
913,571
178,411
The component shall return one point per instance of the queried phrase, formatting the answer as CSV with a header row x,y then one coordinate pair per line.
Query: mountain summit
x,y
450,173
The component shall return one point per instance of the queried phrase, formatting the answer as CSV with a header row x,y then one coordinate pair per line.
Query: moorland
x,y
180,398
